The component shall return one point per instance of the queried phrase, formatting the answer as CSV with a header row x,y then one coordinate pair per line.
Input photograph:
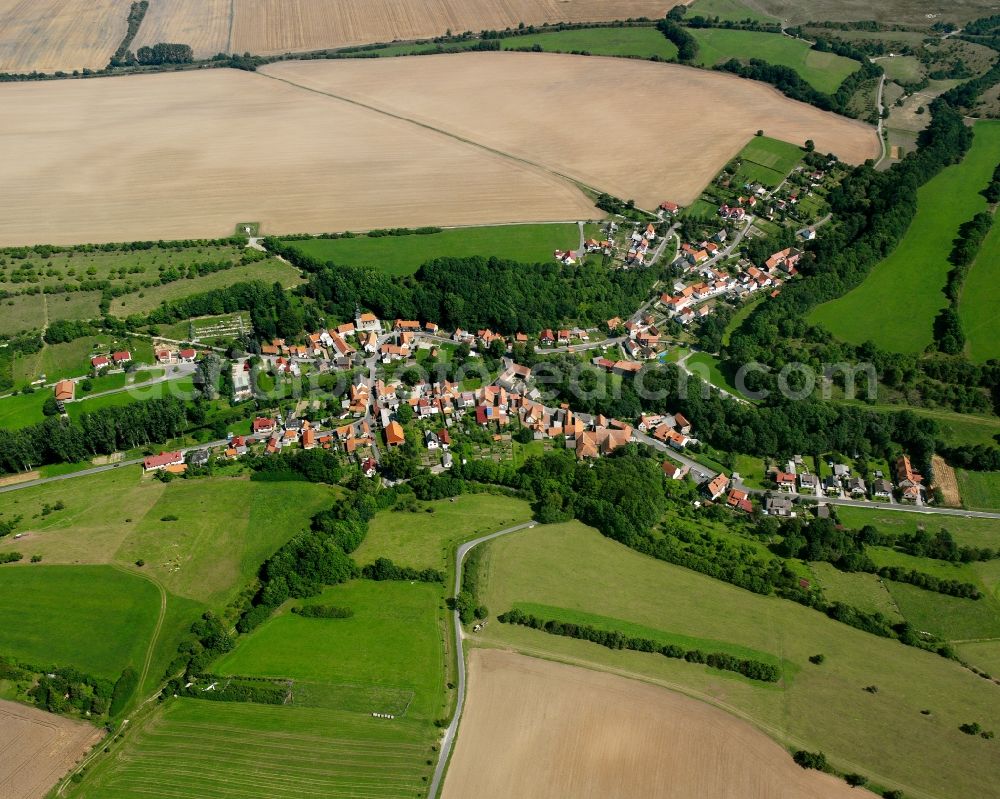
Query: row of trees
x,y
948,333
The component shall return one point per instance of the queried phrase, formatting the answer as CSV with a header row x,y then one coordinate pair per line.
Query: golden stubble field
x,y
265,27
534,728
52,35
191,154
635,129
37,748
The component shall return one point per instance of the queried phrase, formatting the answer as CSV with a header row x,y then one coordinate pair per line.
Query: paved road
x,y
449,735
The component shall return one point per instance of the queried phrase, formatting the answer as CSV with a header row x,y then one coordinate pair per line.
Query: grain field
x,y
37,748
191,154
203,24
664,137
539,728
53,35
278,26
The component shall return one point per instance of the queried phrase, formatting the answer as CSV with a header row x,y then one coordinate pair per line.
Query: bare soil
x,y
534,728
38,748
663,138
945,479
191,154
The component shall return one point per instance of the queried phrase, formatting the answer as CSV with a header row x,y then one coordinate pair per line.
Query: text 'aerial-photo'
x,y
593,399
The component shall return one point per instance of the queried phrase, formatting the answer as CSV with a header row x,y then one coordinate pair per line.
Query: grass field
x,y
894,12
728,10
72,358
767,161
905,68
884,736
427,540
980,299
979,490
29,311
823,71
96,618
966,531
403,255
641,42
896,304
865,591
707,368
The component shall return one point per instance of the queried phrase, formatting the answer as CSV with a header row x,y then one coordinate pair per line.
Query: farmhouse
x,y
122,357
99,361
65,390
155,463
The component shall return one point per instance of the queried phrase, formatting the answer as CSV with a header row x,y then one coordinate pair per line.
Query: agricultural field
x,y
97,618
536,728
644,42
403,255
534,92
252,148
39,748
865,591
919,13
767,161
428,540
823,71
969,531
979,490
30,311
728,10
884,736
205,25
896,304
980,300
53,35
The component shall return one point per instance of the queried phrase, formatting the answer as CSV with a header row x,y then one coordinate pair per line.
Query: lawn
x,y
182,388
980,490
970,532
896,304
823,71
750,468
21,410
193,749
403,255
644,42
572,567
707,368
428,540
96,618
392,642
980,299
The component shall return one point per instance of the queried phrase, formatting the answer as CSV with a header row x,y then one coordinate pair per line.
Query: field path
x,y
159,621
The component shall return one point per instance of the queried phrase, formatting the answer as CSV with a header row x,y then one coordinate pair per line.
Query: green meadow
x,y
767,161
896,304
728,10
823,71
403,255
977,307
969,531
97,618
979,490
883,735
644,42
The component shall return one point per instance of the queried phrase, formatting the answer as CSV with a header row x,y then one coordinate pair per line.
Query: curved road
x,y
449,735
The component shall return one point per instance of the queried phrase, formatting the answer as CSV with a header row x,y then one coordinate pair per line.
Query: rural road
x,y
449,735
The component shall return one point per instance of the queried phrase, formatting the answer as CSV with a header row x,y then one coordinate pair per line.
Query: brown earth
x,y
945,479
38,748
22,477
635,129
191,154
534,728
51,35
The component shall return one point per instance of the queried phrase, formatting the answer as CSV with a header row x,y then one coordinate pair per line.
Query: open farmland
x,y
824,71
205,25
225,145
532,94
38,748
535,728
896,304
980,299
883,736
403,255
644,42
980,490
52,35
912,12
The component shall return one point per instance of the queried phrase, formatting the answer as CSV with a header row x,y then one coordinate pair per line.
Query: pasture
x,y
884,736
865,591
979,490
970,532
980,299
536,728
533,93
252,148
903,68
644,42
896,304
767,161
38,749
29,311
428,540
403,255
53,35
96,618
392,642
823,71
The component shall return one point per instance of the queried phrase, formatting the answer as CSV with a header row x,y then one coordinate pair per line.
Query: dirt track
x,y
638,130
37,748
535,729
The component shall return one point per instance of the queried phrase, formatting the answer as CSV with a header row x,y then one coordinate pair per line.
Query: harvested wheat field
x,y
52,35
37,748
664,138
203,24
278,26
534,728
191,154
946,479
